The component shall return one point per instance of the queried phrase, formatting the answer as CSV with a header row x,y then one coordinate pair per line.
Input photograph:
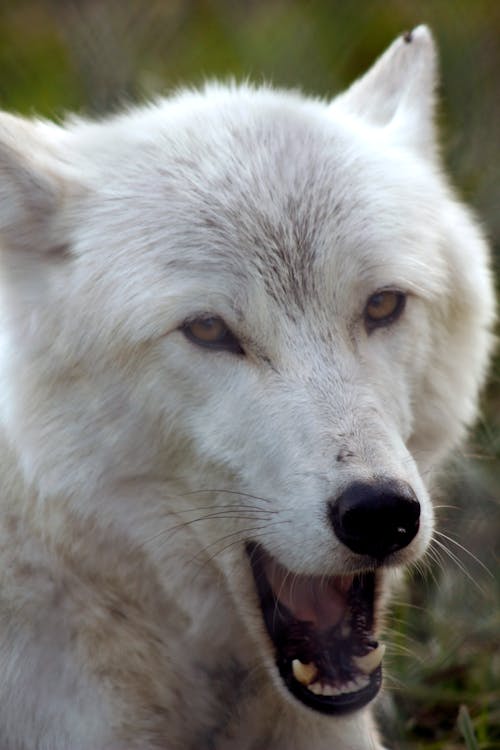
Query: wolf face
x,y
241,330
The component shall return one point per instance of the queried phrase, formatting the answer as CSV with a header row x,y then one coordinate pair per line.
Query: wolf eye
x,y
383,308
212,333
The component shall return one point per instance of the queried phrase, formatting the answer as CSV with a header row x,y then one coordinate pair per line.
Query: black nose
x,y
376,519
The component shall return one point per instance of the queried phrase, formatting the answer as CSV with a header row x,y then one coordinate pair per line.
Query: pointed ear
x,y
33,183
398,92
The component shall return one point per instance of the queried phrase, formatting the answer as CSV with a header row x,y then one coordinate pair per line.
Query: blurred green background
x,y
93,55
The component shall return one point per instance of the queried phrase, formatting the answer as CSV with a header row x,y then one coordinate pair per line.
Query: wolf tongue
x,y
318,600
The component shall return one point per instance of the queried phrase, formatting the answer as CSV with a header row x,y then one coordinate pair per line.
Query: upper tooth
x,y
370,661
304,673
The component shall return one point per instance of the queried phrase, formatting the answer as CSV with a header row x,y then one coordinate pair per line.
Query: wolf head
x,y
271,304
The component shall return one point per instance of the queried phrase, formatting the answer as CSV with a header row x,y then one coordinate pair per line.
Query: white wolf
x,y
241,329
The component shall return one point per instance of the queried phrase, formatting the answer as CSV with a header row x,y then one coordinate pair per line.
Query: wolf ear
x,y
398,92
33,182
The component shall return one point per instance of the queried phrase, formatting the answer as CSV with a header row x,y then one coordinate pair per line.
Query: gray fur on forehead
x,y
279,252
263,212
268,191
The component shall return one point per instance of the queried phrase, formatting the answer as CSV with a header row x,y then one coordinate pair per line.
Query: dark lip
x,y
278,619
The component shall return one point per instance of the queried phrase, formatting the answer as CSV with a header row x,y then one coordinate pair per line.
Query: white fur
x,y
135,465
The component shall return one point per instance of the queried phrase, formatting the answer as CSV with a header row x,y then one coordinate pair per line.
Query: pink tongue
x,y
321,601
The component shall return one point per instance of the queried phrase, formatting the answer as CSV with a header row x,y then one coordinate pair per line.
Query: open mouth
x,y
322,631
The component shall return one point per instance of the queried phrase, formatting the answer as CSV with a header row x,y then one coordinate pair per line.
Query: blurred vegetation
x,y
93,55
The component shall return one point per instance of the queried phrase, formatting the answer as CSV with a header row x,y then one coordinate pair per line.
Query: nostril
x,y
376,518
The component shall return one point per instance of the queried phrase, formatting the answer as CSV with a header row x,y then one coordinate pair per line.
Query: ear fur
x,y
33,181
398,92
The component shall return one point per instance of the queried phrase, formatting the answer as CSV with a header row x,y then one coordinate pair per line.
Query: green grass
x,y
443,664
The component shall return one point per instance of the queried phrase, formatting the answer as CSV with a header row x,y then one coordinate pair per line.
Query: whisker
x,y
221,508
241,534
407,605
182,478
397,649
459,565
428,564
226,492
467,552
278,595
445,506
394,684
423,568
234,513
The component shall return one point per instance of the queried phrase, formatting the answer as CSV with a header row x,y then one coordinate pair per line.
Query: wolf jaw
x,y
322,629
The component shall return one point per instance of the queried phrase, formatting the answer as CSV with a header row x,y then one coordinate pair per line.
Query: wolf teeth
x,y
304,673
370,661
353,686
316,688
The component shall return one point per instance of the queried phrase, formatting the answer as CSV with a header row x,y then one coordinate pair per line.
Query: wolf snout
x,y
376,518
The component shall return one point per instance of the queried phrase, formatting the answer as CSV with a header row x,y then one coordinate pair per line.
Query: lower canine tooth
x,y
370,661
304,673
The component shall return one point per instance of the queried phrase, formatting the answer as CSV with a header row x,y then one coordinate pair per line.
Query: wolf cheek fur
x,y
240,332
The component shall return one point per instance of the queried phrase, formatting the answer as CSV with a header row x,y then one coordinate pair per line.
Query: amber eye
x,y
384,308
212,333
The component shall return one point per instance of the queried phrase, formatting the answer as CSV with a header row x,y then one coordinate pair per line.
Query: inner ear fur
x,y
34,181
399,92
